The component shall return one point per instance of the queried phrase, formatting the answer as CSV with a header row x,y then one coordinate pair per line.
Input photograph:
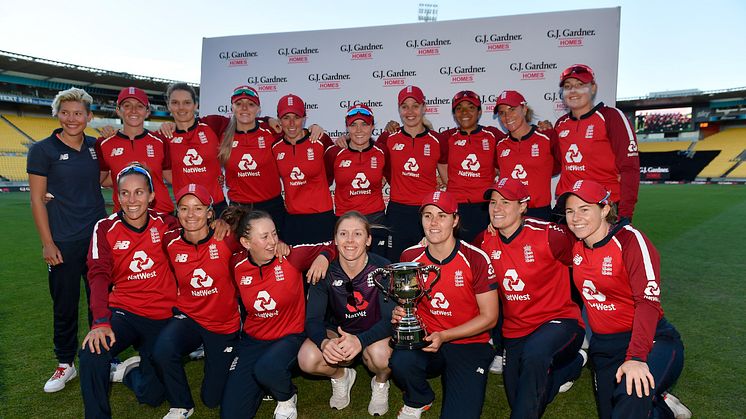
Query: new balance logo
x,y
118,151
345,163
121,245
398,147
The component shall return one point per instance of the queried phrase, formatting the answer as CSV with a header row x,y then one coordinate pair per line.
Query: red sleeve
x,y
382,143
100,268
326,141
217,123
103,165
443,142
330,156
302,256
642,263
624,145
166,154
560,243
479,240
485,279
497,132
554,147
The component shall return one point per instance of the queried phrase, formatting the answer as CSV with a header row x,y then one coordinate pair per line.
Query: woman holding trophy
x,y
460,310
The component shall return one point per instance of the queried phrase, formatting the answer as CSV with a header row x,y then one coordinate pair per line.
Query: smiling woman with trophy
x,y
456,312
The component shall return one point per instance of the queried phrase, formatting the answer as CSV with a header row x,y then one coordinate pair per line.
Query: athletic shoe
x,y
198,353
566,387
584,354
268,398
408,412
287,409
178,413
680,411
496,367
341,389
63,374
124,368
379,398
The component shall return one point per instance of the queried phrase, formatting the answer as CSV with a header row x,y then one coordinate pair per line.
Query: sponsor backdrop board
x,y
334,69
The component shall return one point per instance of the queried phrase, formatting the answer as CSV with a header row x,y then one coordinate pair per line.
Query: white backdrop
x,y
333,69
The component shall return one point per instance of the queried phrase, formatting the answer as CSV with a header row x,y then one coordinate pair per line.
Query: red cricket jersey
x,y
251,173
301,167
412,164
193,155
471,163
620,282
206,291
118,151
530,159
358,177
464,274
601,146
535,280
132,263
273,293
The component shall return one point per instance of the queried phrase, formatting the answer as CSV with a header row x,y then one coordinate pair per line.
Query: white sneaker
x,y
178,413
584,354
408,412
198,353
63,374
287,409
680,411
379,398
123,368
564,388
496,367
341,389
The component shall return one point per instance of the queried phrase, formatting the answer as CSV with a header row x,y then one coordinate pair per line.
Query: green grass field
x,y
698,229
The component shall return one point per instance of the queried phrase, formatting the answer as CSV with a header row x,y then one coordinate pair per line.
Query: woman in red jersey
x,y
357,171
596,142
462,309
271,290
193,147
133,292
414,157
527,153
206,310
636,354
542,329
134,143
300,162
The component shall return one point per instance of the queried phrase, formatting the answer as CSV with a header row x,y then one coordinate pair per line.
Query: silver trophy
x,y
407,284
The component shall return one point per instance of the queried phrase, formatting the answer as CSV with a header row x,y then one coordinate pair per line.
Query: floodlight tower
x,y
428,12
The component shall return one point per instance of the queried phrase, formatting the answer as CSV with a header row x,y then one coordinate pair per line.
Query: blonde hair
x,y
72,94
226,145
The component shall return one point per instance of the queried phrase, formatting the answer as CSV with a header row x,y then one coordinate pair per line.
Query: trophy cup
x,y
407,286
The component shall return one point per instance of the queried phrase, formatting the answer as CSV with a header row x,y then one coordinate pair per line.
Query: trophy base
x,y
408,345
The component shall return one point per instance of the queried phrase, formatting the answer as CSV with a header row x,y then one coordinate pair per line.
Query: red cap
x,y
197,190
359,111
510,98
577,71
411,91
441,199
291,104
134,93
468,96
510,189
245,92
587,190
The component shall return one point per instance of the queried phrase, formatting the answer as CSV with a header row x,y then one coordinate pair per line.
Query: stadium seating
x,y
731,143
739,172
662,146
39,127
11,141
13,168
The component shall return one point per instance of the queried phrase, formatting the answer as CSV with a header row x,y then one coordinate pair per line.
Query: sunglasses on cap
x,y
576,69
465,93
359,111
244,91
135,169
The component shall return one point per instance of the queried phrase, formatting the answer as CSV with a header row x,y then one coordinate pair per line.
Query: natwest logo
x,y
237,58
394,78
328,81
297,55
497,42
570,38
532,71
426,47
266,83
200,279
360,51
459,74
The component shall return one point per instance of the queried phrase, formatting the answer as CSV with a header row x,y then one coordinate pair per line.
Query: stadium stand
x,y
11,141
39,127
13,168
731,143
739,172
657,146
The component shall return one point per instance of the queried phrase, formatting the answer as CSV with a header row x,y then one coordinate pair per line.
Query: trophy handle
x,y
427,269
382,272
